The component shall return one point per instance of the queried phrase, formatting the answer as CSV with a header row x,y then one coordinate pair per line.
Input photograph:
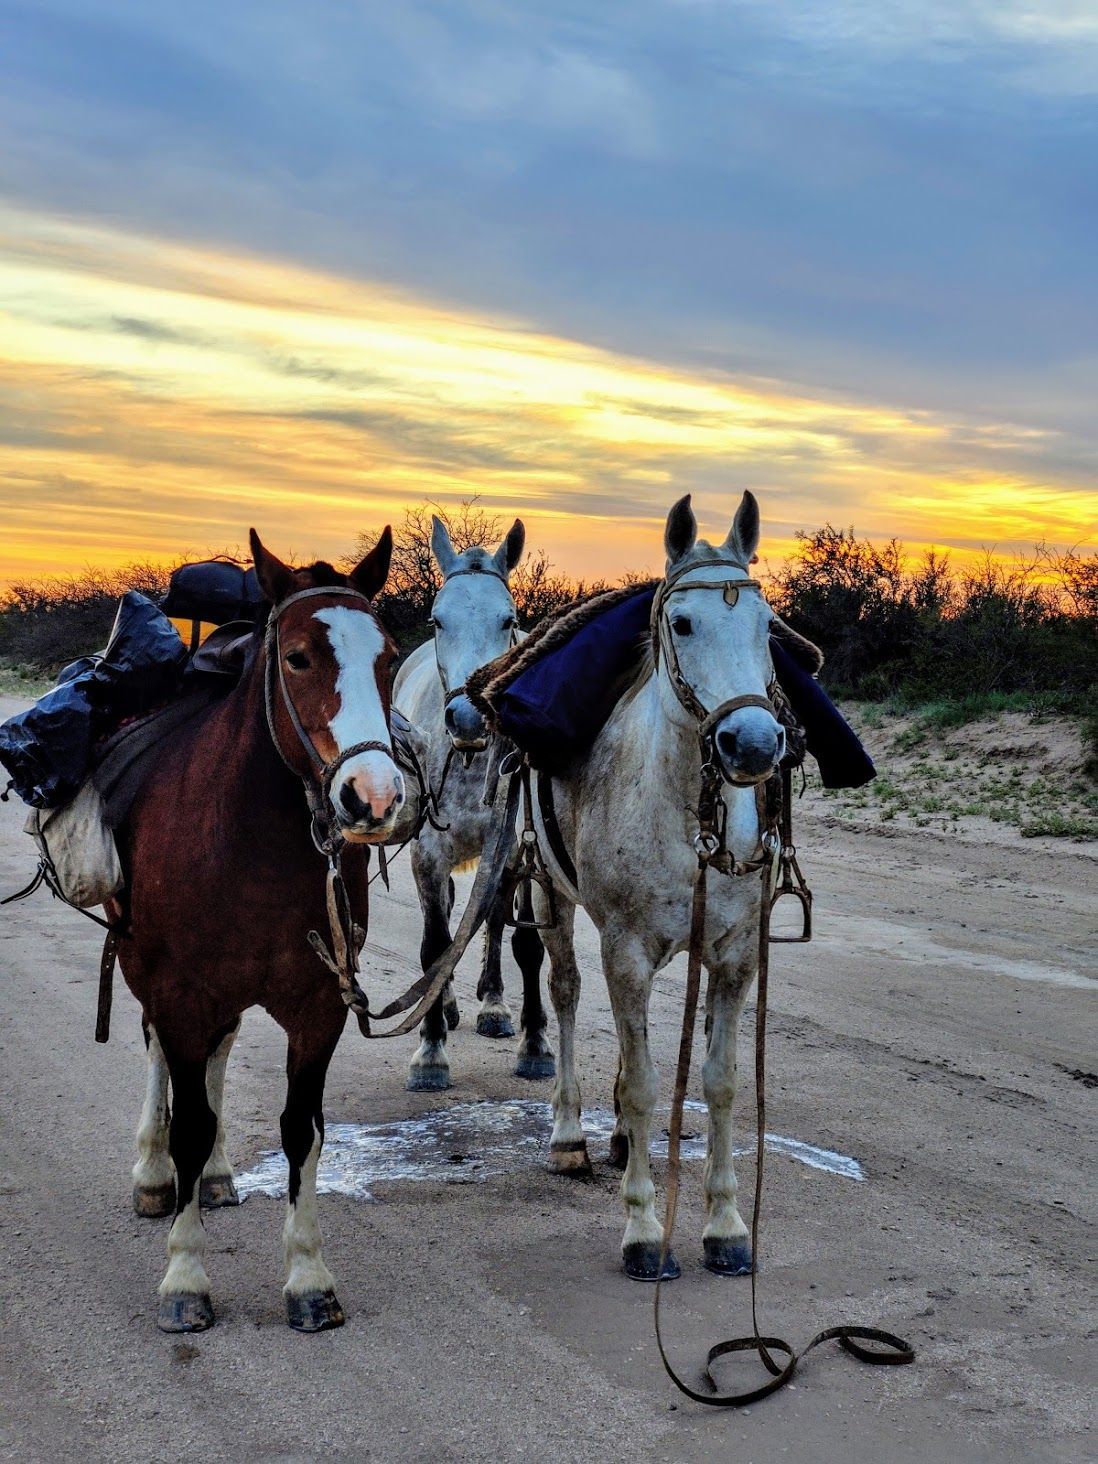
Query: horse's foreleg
x,y
450,1009
218,1186
429,1070
535,1056
494,1018
619,1139
153,1175
567,1146
725,1239
309,1292
185,1290
629,979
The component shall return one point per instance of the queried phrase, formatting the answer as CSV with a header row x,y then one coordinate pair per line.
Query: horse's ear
x,y
441,547
370,574
276,579
510,551
681,531
743,536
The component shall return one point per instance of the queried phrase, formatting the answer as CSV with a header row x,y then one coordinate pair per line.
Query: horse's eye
x,y
435,623
298,660
681,625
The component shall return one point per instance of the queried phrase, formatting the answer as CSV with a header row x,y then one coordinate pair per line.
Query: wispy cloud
x,y
156,398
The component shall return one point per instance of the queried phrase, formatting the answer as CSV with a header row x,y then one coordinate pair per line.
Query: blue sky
x,y
874,202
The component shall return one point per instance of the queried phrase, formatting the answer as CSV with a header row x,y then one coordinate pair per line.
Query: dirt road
x,y
939,1032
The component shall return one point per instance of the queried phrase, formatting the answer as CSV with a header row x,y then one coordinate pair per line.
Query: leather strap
x,y
493,861
548,808
850,1337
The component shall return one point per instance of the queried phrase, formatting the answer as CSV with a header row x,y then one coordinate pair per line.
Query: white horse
x,y
474,621
627,814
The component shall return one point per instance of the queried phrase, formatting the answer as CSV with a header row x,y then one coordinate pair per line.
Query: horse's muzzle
x,y
465,726
366,805
749,747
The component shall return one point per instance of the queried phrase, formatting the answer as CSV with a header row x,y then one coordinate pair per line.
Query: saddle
x,y
553,693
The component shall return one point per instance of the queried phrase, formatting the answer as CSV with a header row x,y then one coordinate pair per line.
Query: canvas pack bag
x,y
76,848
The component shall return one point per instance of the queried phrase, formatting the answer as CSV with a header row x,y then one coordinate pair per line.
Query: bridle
x,y
710,841
318,790
451,693
663,642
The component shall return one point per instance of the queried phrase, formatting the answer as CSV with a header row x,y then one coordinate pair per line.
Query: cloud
x,y
826,194
880,210
145,410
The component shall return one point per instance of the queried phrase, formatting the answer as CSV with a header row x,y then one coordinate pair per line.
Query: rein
x,y
341,955
774,804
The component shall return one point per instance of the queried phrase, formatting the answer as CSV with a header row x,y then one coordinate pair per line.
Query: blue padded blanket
x,y
49,750
556,708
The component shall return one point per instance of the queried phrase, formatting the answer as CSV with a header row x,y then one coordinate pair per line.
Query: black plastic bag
x,y
49,750
214,590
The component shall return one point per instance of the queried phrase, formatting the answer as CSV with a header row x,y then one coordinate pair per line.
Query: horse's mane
x,y
552,631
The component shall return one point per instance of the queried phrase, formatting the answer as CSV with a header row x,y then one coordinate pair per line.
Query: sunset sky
x,y
300,266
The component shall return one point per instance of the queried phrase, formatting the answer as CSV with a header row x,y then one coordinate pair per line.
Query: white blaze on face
x,y
372,777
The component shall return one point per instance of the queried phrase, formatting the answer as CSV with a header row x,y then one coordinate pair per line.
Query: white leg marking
x,y
217,1165
186,1253
153,1169
305,1268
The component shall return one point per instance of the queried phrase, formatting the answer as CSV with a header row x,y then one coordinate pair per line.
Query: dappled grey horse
x,y
473,620
627,813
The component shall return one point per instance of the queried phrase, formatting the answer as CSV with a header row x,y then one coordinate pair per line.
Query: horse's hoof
x,y
535,1065
619,1151
428,1079
216,1191
642,1262
727,1255
185,1311
570,1158
495,1024
452,1012
314,1311
154,1201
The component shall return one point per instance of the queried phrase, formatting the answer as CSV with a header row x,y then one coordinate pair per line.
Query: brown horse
x,y
225,883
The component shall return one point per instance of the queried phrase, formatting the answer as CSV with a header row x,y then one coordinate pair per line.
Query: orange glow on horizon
x,y
157,400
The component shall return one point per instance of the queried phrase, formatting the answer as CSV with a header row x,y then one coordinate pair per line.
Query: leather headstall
x,y
325,833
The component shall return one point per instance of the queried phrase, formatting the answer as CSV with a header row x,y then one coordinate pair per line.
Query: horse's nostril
x,y
726,744
450,719
352,803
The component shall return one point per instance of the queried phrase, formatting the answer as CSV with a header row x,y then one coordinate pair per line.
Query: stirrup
x,y
804,894
520,889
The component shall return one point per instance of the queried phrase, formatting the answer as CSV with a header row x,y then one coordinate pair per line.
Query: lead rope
x,y
849,1337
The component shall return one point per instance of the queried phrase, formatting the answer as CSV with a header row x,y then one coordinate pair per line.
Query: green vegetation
x,y
926,651
947,649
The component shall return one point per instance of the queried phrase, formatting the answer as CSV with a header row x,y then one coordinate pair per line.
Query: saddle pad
x,y
563,695
557,707
124,760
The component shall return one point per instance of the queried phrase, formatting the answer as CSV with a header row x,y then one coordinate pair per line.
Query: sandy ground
x,y
939,1030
